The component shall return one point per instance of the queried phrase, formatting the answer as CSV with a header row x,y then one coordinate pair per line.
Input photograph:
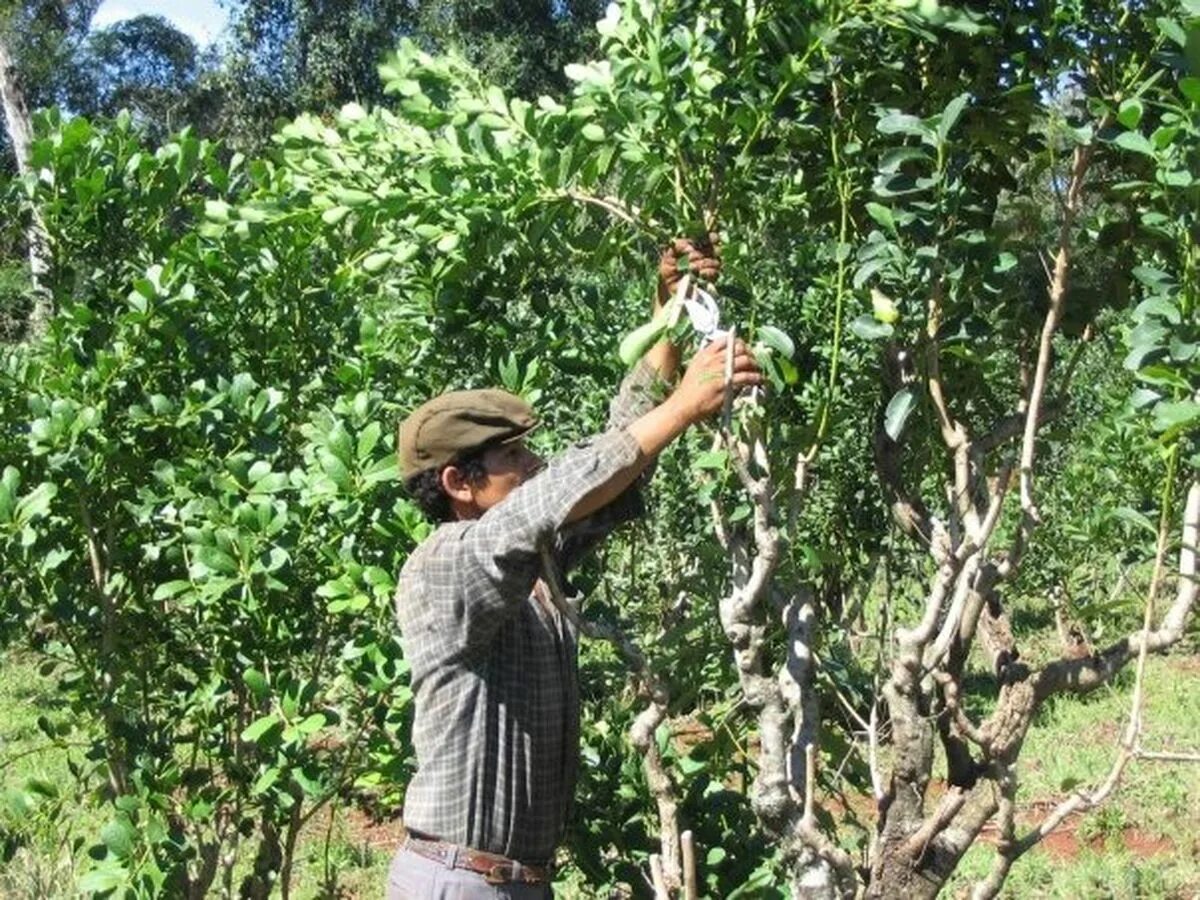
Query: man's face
x,y
507,466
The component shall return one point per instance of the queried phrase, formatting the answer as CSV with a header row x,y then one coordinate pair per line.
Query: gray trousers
x,y
413,877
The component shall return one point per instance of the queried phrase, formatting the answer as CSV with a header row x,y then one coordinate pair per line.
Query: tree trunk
x,y
20,134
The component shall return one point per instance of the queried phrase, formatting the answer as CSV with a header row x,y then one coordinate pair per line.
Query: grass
x,y
1145,842
43,819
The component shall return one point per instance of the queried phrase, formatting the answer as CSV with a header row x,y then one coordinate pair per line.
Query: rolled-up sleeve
x,y
641,390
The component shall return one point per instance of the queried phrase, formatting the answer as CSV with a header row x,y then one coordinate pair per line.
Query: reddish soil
x,y
1064,843
362,829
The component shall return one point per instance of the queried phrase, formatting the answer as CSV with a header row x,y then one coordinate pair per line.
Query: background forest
x,y
893,625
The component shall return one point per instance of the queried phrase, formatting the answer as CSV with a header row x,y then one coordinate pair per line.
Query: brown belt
x,y
494,868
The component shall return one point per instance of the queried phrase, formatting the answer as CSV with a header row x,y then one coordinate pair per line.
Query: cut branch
x,y
1058,293
953,432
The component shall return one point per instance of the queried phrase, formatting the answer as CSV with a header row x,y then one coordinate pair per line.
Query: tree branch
x,y
1058,292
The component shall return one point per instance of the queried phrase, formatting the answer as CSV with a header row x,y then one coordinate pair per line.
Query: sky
x,y
200,19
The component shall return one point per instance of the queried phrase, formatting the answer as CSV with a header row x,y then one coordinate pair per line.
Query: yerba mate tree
x,y
970,317
685,126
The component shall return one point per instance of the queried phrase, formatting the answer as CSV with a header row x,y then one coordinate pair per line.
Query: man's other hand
x,y
701,258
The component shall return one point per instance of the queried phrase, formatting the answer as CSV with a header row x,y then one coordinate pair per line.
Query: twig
x,y
611,205
688,843
877,788
952,431
1163,756
641,732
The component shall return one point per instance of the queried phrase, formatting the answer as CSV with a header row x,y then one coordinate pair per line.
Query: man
x,y
493,662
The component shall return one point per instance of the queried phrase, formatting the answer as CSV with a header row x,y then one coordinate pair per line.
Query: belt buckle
x,y
500,873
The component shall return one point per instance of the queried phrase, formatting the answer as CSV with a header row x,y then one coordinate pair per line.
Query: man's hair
x,y
427,492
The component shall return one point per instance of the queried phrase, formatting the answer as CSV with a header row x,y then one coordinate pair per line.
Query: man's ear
x,y
456,485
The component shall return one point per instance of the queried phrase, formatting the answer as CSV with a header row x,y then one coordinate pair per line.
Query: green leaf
x,y
1172,30
10,483
1135,142
896,122
1143,397
883,215
1190,88
257,682
1159,306
1150,335
492,122
376,262
893,159
335,214
950,115
899,408
711,459
635,344
593,132
867,328
171,589
777,340
883,308
1181,351
495,98
1176,414
216,560
1131,515
1150,276
101,881
36,504
337,470
216,210
576,72
266,780
368,439
1130,113
117,836
352,197
257,730
312,723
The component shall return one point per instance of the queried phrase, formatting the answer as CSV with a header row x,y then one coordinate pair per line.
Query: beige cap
x,y
450,424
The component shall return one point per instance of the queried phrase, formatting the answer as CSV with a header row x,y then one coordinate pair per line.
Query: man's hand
x,y
701,393
702,258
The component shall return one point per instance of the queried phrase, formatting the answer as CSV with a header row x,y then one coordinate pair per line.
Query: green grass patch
x,y
44,821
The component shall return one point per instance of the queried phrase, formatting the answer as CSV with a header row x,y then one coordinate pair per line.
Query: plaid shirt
x,y
494,670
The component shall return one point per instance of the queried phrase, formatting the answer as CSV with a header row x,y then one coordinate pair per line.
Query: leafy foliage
x,y
199,508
